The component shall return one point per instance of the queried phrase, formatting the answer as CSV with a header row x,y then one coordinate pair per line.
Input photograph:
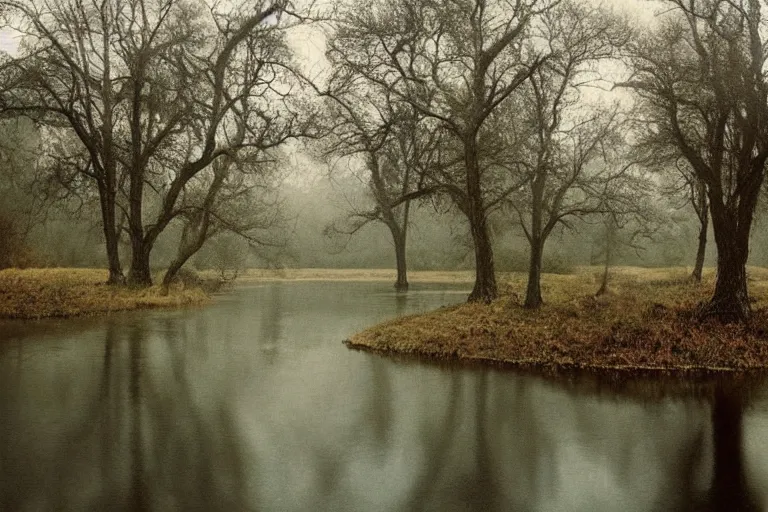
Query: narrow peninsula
x,y
646,322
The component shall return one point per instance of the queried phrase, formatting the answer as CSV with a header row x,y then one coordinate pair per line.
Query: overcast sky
x,y
8,41
641,8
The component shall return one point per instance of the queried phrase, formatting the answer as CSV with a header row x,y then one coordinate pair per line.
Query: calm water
x,y
255,404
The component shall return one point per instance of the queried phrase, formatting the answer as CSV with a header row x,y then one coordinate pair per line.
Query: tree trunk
x,y
108,218
604,281
702,211
197,230
536,241
485,276
533,291
401,285
730,302
186,250
113,256
485,289
611,235
140,274
171,272
702,250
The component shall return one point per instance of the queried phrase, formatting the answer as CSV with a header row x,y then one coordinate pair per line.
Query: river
x,y
254,403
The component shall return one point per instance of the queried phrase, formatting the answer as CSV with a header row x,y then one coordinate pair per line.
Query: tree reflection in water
x,y
729,489
160,448
249,408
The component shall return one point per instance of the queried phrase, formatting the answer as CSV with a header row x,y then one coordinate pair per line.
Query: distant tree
x,y
628,218
565,145
456,63
700,80
661,154
22,209
694,191
394,144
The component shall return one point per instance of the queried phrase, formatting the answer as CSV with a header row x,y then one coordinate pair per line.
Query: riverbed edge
x,y
647,324
62,293
550,367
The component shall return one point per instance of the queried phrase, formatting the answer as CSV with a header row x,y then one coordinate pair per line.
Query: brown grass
x,y
647,323
65,292
347,274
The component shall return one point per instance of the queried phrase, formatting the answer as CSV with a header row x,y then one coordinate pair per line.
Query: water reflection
x,y
730,489
254,404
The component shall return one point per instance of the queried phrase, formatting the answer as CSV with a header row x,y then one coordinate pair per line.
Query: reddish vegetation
x,y
647,323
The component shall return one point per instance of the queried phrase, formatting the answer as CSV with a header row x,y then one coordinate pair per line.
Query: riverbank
x,y
355,274
645,323
67,292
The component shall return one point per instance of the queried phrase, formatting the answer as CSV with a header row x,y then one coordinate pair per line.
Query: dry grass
x,y
65,292
333,274
645,323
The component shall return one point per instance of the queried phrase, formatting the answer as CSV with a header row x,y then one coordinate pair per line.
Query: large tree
x,y
455,62
700,78
156,91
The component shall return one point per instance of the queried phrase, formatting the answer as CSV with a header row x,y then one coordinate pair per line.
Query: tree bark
x,y
401,285
108,219
730,302
702,211
533,291
485,289
140,274
702,250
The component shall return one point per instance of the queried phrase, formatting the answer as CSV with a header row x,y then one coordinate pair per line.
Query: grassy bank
x,y
354,274
646,323
65,292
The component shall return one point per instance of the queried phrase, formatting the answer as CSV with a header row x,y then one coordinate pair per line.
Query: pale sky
x,y
8,40
643,9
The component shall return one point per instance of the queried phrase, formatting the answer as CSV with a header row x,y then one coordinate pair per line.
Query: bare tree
x,y
21,209
700,78
396,148
694,192
627,217
454,62
661,154
237,196
565,144
139,79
